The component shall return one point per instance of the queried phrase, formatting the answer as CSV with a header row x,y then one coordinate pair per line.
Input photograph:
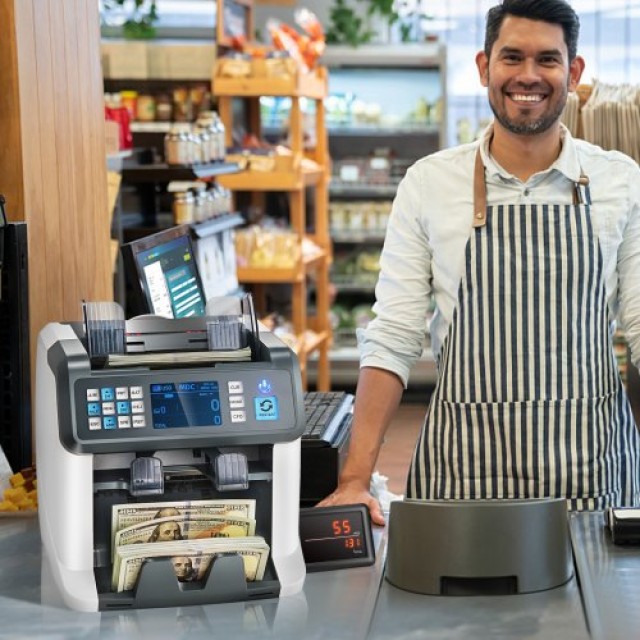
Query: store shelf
x,y
406,54
272,180
291,178
133,172
354,287
357,237
217,225
345,190
380,129
297,273
299,85
314,340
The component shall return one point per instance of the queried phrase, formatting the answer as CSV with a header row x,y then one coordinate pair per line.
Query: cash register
x,y
106,434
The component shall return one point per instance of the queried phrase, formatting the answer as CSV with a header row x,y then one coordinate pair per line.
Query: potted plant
x,y
377,18
136,17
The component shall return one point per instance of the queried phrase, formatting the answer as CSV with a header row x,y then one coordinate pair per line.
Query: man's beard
x,y
542,124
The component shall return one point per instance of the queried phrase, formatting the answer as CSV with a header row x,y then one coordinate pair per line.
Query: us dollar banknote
x,y
186,526
190,559
128,515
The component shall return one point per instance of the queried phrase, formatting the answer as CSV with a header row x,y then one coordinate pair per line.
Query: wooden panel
x,y
11,155
53,168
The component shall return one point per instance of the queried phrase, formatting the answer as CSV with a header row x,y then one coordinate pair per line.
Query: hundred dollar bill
x,y
191,561
187,526
127,515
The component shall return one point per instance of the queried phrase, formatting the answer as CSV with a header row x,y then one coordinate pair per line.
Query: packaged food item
x,y
308,21
146,108
178,145
285,38
164,107
116,112
182,107
234,65
129,100
183,207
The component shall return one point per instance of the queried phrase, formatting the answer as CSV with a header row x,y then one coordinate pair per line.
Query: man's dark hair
x,y
553,11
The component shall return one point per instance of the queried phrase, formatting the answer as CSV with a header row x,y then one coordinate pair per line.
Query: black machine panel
x,y
188,405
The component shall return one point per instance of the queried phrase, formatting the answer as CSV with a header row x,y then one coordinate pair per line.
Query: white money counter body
x,y
165,423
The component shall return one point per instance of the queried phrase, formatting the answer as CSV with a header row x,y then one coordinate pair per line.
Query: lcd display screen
x,y
333,536
175,405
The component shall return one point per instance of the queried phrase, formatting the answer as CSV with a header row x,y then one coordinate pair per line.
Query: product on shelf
x,y
282,328
116,112
359,268
146,108
358,216
186,144
260,248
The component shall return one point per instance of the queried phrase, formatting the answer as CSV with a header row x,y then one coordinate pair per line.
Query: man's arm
x,y
629,268
377,398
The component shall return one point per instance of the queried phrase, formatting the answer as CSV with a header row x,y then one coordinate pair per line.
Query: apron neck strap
x,y
479,193
581,193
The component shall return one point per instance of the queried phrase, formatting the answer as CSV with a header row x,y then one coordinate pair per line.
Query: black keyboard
x,y
324,413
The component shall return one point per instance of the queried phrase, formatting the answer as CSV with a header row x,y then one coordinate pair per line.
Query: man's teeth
x,y
526,98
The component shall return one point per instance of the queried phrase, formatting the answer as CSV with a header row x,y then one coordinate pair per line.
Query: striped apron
x,y
529,402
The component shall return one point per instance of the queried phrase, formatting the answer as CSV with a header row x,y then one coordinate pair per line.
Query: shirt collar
x,y
566,163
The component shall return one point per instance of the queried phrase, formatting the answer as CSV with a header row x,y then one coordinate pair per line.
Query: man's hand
x,y
355,493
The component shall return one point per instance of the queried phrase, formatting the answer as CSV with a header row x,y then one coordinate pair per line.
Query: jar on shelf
x,y
178,145
221,150
197,149
183,207
129,99
146,108
182,107
202,206
205,123
205,141
164,108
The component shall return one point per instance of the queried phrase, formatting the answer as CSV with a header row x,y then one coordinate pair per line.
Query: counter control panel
x,y
184,405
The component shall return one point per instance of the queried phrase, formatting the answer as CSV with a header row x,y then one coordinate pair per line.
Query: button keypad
x,y
113,408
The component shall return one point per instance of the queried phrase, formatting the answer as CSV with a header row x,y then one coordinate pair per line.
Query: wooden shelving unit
x,y
313,332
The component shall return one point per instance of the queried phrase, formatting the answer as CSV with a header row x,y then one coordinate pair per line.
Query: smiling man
x,y
529,243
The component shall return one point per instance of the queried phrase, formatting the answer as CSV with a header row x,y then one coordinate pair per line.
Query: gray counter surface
x,y
350,603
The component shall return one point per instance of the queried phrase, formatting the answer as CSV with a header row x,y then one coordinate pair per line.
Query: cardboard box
x,y
125,59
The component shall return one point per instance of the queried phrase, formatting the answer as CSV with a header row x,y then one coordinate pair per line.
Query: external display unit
x,y
163,274
336,537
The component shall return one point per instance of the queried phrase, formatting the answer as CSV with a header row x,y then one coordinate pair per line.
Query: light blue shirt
x,y
431,221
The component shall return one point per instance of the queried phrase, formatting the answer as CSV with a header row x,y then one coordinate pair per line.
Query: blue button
x,y
107,394
266,408
109,422
123,408
93,408
264,386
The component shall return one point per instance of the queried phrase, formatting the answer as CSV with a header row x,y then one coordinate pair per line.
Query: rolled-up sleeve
x,y
629,269
394,339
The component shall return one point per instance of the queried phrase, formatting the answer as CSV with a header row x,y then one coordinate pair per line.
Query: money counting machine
x,y
152,409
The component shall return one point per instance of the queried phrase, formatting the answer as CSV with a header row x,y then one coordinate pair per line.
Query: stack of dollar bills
x,y
191,533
